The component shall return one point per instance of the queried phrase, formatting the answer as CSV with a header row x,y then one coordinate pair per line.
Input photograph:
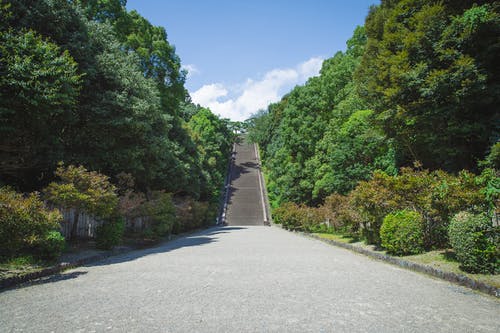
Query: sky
x,y
243,55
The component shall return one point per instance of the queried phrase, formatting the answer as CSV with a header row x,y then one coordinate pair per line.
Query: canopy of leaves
x,y
430,74
320,138
90,83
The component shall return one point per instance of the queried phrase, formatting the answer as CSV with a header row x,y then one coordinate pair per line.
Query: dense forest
x,y
390,124
92,97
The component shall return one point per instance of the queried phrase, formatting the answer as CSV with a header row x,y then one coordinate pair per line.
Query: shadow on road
x,y
201,238
198,239
53,278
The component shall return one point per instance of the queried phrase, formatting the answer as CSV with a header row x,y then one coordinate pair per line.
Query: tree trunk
x,y
74,227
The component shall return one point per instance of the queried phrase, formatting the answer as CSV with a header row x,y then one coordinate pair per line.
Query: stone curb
x,y
444,275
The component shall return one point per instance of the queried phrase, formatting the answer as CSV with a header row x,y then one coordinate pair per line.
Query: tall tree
x,y
429,72
39,86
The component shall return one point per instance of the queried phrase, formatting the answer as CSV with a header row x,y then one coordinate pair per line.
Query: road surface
x,y
245,279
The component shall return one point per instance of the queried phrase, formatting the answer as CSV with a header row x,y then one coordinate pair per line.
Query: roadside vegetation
x,y
95,120
395,143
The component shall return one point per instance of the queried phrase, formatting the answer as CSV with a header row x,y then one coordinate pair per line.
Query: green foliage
x,y
475,242
50,246
401,233
160,211
436,195
83,190
90,83
213,141
351,153
320,138
342,215
26,224
300,218
110,233
493,158
191,214
39,86
429,72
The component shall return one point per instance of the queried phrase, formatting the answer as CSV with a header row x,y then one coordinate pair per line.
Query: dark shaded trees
x,y
429,72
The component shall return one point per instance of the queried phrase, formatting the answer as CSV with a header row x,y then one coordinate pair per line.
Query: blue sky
x,y
243,55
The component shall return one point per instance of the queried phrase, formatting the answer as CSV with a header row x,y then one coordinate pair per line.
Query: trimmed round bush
x,y
401,233
475,242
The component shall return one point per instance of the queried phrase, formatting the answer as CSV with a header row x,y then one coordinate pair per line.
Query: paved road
x,y
245,202
245,279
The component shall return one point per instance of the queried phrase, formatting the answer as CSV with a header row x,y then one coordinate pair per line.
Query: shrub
x,y
313,219
191,214
82,190
25,223
475,242
50,246
341,214
285,215
110,233
160,211
436,195
401,233
301,218
373,200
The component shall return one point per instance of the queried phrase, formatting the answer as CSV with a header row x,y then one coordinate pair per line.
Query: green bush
x,y
373,200
475,242
342,216
160,211
191,214
51,246
84,191
401,233
110,233
25,223
437,195
300,217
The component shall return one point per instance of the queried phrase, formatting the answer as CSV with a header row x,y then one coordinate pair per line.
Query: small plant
x,y
26,224
110,233
160,211
475,242
51,246
401,233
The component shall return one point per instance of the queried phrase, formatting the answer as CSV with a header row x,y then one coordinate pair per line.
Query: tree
x,y
39,86
213,140
429,73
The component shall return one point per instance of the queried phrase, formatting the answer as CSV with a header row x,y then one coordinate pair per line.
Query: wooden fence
x,y
87,224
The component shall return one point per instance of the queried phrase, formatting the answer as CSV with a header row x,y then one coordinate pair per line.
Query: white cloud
x,y
208,94
191,70
240,101
311,67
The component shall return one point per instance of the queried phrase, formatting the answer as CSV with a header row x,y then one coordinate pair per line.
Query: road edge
x,y
451,277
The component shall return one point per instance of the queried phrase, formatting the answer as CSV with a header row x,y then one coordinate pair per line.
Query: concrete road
x,y
245,279
245,202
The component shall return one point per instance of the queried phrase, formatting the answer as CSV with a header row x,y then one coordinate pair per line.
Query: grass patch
x,y
445,261
21,265
440,259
